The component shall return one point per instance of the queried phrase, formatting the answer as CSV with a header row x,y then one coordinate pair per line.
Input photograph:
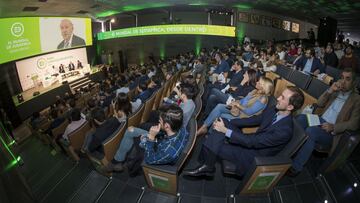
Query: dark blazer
x,y
268,140
143,96
236,78
102,133
76,41
316,64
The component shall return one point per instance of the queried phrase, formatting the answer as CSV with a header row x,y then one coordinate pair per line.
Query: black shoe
x,y
202,170
292,172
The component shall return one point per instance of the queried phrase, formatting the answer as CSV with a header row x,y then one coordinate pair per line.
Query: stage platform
x,y
47,95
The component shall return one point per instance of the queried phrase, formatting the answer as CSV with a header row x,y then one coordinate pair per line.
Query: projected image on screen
x,y
62,33
49,70
29,36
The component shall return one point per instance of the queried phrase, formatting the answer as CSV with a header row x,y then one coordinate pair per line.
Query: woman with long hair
x,y
253,104
247,85
122,107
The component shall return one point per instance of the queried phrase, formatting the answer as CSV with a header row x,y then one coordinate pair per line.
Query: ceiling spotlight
x,y
355,185
112,20
325,201
348,33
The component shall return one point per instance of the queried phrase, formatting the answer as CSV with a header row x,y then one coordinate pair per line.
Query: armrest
x,y
230,167
166,168
272,160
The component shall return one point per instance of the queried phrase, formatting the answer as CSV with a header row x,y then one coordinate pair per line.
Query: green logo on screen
x,y
41,63
17,29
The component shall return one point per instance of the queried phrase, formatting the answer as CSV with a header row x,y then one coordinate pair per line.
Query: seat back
x,y
111,144
263,175
248,130
298,138
198,106
284,71
281,85
132,93
58,131
148,108
158,98
166,89
201,90
164,178
191,128
272,76
308,100
77,137
135,118
333,72
300,79
316,88
346,145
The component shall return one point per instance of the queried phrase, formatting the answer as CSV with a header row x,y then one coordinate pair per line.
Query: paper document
x,y
313,119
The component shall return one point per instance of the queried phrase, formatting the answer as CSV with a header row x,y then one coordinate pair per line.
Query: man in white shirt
x,y
76,122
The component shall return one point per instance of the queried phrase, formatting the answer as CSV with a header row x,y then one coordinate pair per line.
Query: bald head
x,y
66,28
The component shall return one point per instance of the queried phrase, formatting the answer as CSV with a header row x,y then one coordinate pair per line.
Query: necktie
x,y
66,45
274,119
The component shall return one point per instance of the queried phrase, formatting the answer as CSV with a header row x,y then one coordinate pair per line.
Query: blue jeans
x,y
219,111
127,142
216,97
316,136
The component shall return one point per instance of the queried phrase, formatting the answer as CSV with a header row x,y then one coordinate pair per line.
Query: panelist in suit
x,y
70,40
310,63
275,131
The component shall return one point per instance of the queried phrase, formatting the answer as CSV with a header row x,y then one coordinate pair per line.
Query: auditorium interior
x,y
180,101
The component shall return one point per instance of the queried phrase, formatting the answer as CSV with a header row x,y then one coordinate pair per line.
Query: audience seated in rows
x,y
237,91
228,142
253,104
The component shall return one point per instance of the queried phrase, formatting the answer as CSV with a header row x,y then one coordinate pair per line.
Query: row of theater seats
x,y
159,177
164,178
265,172
110,145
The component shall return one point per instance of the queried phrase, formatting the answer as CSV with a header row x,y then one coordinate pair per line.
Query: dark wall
x,y
9,75
137,49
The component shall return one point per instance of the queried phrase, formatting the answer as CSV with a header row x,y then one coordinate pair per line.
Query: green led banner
x,y
183,29
23,37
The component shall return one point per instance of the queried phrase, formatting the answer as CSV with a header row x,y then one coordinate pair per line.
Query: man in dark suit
x,y
70,40
71,66
310,63
275,131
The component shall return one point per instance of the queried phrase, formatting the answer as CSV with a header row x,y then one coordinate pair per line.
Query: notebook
x,y
313,119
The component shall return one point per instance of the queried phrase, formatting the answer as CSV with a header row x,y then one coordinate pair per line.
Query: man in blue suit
x,y
310,63
274,132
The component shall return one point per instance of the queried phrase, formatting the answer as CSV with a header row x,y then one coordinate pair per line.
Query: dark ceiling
x,y
347,12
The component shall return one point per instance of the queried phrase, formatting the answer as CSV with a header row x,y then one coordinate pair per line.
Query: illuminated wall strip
x,y
15,159
183,29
